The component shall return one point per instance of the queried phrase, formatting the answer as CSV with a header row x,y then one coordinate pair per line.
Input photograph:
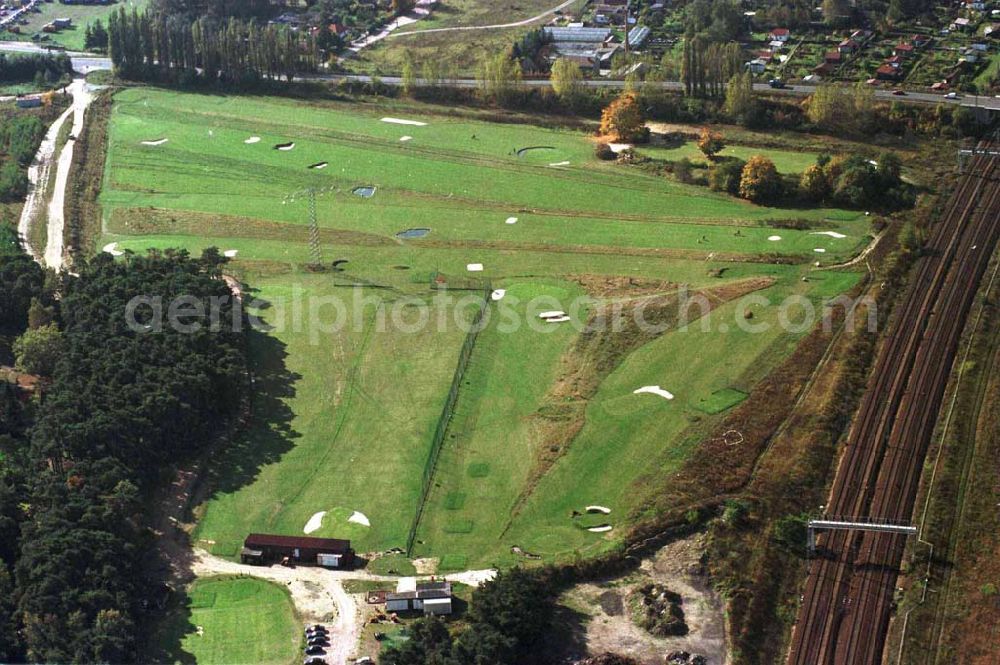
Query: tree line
x,y
119,405
154,46
19,140
43,69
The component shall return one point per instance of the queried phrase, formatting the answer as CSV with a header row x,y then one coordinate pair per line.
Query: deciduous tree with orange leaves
x,y
622,119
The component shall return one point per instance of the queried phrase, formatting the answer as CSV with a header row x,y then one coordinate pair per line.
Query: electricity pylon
x,y
310,194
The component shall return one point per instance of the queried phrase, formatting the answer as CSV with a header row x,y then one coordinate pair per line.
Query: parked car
x,y
315,650
319,640
314,660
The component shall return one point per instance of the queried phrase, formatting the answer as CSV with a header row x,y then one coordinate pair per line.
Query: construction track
x,y
848,600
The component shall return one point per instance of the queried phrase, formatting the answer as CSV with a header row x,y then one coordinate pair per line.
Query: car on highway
x,y
952,95
899,93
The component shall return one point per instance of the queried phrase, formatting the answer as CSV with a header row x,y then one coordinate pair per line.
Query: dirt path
x,y
38,184
57,206
319,594
496,26
39,174
422,10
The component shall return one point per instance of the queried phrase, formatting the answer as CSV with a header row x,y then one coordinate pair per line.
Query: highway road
x,y
86,62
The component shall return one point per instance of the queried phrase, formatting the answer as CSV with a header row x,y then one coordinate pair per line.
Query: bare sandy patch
x,y
401,121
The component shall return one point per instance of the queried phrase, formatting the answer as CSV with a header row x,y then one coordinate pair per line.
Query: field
x,y
462,49
343,418
216,617
82,15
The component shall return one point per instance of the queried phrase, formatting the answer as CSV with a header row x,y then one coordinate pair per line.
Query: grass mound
x,y
720,400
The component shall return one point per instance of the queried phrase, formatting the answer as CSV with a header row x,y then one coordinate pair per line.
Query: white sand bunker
x,y
832,234
654,390
359,518
498,294
155,142
511,220
555,316
112,249
619,147
774,238
319,165
474,267
404,139
560,164
400,121
285,147
598,509
314,523
600,529
231,253
820,250
252,139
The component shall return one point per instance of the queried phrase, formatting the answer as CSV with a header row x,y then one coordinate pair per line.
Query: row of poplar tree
x,y
153,46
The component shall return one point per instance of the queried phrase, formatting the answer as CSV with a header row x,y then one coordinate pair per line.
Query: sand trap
x,y
560,164
511,220
112,249
404,139
774,238
557,319
231,253
820,250
156,142
359,518
654,390
474,267
319,165
314,523
252,139
498,294
285,147
832,234
552,314
619,147
400,121
600,529
598,509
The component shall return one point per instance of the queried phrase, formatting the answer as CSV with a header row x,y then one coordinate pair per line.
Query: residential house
x,y
920,41
779,35
848,47
903,50
960,23
833,57
756,66
886,72
261,548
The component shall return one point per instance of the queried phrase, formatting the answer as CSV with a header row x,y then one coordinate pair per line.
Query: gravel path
x,y
40,172
57,206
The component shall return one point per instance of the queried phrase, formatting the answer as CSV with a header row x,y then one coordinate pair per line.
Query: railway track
x,y
849,593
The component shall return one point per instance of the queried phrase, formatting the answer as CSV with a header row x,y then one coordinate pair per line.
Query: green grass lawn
x,y
786,161
343,420
462,188
230,620
82,15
